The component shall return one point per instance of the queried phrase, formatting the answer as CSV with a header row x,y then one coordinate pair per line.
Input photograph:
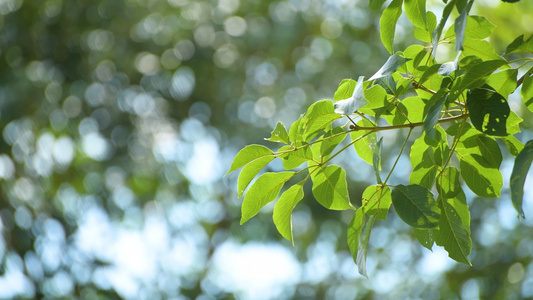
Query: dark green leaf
x,y
330,187
488,111
391,65
520,45
415,206
279,134
282,214
518,176
263,191
387,23
434,112
248,154
424,237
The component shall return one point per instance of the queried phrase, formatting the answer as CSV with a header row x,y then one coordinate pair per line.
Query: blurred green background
x,y
119,119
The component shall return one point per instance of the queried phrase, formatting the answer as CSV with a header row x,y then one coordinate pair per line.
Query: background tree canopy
x,y
120,118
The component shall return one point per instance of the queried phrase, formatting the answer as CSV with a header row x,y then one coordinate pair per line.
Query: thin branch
x,y
412,125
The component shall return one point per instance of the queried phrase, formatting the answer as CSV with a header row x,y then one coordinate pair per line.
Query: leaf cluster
x,y
461,106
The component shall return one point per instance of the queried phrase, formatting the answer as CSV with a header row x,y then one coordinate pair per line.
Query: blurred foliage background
x,y
119,119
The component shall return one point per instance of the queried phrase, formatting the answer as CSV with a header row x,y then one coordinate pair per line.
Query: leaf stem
x,y
412,125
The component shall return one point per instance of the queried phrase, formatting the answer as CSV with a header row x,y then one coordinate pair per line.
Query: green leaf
x,y
330,140
249,154
503,82
318,117
520,45
345,89
279,134
376,159
387,23
454,228
485,182
424,237
477,27
460,26
527,92
364,238
448,183
330,187
263,191
434,112
427,160
354,232
354,102
475,77
282,214
377,201
391,65
425,34
488,111
364,147
513,144
518,176
440,26
416,12
415,206
479,48
250,171
295,134
293,158
376,4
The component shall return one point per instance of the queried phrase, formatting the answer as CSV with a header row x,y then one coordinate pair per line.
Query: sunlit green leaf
x,y
376,4
475,77
434,112
248,154
279,134
282,214
263,191
527,91
503,82
330,187
415,206
345,89
488,111
329,141
427,159
354,232
387,23
364,238
479,48
448,183
440,26
416,12
477,27
460,25
318,117
518,176
295,130
250,171
513,144
377,201
364,147
293,158
520,45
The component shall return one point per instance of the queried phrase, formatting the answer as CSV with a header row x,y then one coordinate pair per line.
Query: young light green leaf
x,y
364,147
391,65
279,134
427,158
376,159
329,141
263,191
518,176
475,77
250,171
357,100
416,12
488,111
527,92
376,4
345,89
513,144
448,183
364,238
424,237
415,206
282,214
504,82
293,158
295,133
330,187
249,154
485,182
387,23
377,201
354,232
479,48
318,117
